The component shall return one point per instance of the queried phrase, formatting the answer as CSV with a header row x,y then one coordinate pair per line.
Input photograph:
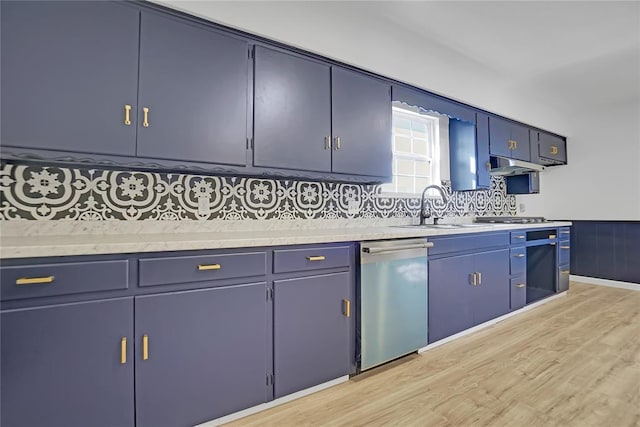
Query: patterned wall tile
x,y
49,192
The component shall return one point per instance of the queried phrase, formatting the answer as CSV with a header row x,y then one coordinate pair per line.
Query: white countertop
x,y
28,239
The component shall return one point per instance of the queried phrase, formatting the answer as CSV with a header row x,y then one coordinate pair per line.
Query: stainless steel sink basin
x,y
444,226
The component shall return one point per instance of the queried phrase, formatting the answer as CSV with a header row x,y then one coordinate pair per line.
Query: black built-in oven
x,y
541,264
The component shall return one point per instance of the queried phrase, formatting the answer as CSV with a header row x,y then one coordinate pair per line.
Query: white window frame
x,y
391,189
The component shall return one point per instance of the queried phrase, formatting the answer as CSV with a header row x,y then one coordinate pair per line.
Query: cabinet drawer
x,y
563,252
200,268
518,237
565,232
563,278
518,292
442,245
285,261
518,260
43,280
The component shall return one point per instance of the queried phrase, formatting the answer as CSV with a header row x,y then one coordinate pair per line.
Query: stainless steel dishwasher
x,y
393,299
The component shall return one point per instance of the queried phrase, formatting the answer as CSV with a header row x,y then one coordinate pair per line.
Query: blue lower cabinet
x,y
312,323
200,354
450,286
518,292
469,289
563,278
69,365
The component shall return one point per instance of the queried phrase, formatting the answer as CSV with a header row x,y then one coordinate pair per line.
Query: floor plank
x,y
572,362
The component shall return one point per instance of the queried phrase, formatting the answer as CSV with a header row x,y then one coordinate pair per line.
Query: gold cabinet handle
x,y
519,236
337,140
564,271
347,307
565,232
327,143
145,117
520,285
552,236
316,258
34,280
123,350
488,165
479,278
204,267
565,247
519,255
474,279
127,115
145,347
554,149
513,144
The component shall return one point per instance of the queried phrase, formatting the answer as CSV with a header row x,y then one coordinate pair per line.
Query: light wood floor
x,y
572,362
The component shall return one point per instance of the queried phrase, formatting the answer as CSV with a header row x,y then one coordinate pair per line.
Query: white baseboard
x,y
605,282
273,403
490,322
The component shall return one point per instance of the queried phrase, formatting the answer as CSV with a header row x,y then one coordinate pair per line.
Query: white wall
x,y
602,179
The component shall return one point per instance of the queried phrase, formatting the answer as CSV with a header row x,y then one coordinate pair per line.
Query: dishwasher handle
x,y
385,249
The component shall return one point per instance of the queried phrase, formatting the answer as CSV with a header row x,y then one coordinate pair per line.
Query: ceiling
x,y
579,52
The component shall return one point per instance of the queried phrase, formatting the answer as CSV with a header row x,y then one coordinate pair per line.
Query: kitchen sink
x,y
444,226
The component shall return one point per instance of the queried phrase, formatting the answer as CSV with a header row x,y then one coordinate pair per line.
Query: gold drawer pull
x,y
565,247
327,143
316,258
554,149
347,307
565,232
337,144
552,236
519,236
145,117
127,115
34,280
520,285
203,267
564,271
519,255
123,350
145,347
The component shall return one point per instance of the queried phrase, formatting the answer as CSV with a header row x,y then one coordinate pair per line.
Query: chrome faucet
x,y
424,192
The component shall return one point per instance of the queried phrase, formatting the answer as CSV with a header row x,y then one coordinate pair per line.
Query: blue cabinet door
x,y
292,112
194,83
361,124
311,331
482,158
491,296
206,354
450,293
69,69
508,139
62,365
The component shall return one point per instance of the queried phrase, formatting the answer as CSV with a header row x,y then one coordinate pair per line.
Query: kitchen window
x,y
416,151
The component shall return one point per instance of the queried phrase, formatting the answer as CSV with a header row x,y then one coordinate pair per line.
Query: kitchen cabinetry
x,y
193,92
200,354
201,327
311,116
518,270
70,76
311,331
547,149
68,364
469,288
508,139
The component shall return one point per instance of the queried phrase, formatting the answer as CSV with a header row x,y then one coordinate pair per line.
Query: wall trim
x,y
273,403
491,322
605,282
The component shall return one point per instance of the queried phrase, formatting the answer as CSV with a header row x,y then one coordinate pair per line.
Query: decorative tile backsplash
x,y
36,192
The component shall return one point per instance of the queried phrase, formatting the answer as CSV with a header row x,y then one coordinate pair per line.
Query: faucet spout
x,y
443,195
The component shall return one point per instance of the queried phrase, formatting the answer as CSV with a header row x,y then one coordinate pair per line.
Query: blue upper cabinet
x,y
547,149
69,71
193,92
508,139
310,116
292,112
361,124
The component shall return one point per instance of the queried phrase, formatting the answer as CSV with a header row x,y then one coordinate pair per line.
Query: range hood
x,y
502,166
